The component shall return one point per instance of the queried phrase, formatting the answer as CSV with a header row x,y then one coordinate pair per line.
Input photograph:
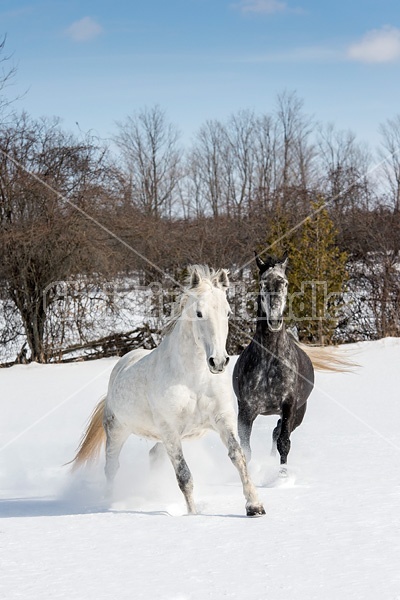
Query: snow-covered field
x,y
331,532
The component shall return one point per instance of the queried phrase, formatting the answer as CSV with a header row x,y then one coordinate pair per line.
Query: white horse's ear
x,y
195,279
222,279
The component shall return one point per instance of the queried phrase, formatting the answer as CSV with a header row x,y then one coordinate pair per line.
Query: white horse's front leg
x,y
173,447
236,454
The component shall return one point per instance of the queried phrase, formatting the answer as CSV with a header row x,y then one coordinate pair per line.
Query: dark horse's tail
x,y
328,358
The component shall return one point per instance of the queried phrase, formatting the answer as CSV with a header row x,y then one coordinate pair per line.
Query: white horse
x,y
176,391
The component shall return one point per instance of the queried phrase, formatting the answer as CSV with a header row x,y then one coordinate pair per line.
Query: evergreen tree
x,y
317,278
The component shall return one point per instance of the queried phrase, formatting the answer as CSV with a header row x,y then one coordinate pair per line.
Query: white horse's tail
x,y
93,438
328,358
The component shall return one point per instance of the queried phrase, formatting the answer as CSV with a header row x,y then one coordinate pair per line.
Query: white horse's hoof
x,y
256,510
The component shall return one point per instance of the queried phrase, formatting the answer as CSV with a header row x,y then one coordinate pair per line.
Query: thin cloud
x,y
266,7
18,12
377,46
310,54
84,30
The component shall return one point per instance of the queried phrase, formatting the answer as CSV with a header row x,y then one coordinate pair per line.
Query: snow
x,y
331,530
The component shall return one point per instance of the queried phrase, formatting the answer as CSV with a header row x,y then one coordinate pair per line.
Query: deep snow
x,y
331,530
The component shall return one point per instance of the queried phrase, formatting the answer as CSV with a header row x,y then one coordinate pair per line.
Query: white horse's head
x,y
273,290
208,311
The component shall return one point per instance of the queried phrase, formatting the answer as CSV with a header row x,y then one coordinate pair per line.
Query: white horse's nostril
x,y
217,366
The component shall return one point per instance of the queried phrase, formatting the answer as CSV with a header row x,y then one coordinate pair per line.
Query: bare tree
x,y
239,171
375,275
7,72
43,238
294,129
344,165
390,154
344,180
152,160
265,146
207,164
222,165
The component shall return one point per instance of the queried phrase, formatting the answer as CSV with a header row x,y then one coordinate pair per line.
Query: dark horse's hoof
x,y
255,511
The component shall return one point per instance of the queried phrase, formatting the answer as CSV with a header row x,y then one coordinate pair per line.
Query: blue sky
x,y
94,62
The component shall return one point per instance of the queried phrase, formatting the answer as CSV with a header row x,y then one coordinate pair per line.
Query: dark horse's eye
x,y
199,314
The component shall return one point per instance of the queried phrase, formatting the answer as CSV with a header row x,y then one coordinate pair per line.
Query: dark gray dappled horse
x,y
274,375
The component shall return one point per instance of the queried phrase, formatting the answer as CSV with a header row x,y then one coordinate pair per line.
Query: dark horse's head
x,y
273,289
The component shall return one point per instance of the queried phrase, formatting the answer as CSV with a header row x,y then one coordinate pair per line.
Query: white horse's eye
x,y
199,314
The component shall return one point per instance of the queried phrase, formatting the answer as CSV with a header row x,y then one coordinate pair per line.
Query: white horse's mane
x,y
206,277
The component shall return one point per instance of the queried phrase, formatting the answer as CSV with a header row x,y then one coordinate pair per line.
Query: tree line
x,y
76,215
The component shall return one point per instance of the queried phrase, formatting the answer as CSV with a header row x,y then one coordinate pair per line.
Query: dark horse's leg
x,y
245,424
283,437
291,418
275,435
298,418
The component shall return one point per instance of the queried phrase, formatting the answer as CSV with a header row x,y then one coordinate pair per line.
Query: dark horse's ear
x,y
266,264
284,261
260,263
